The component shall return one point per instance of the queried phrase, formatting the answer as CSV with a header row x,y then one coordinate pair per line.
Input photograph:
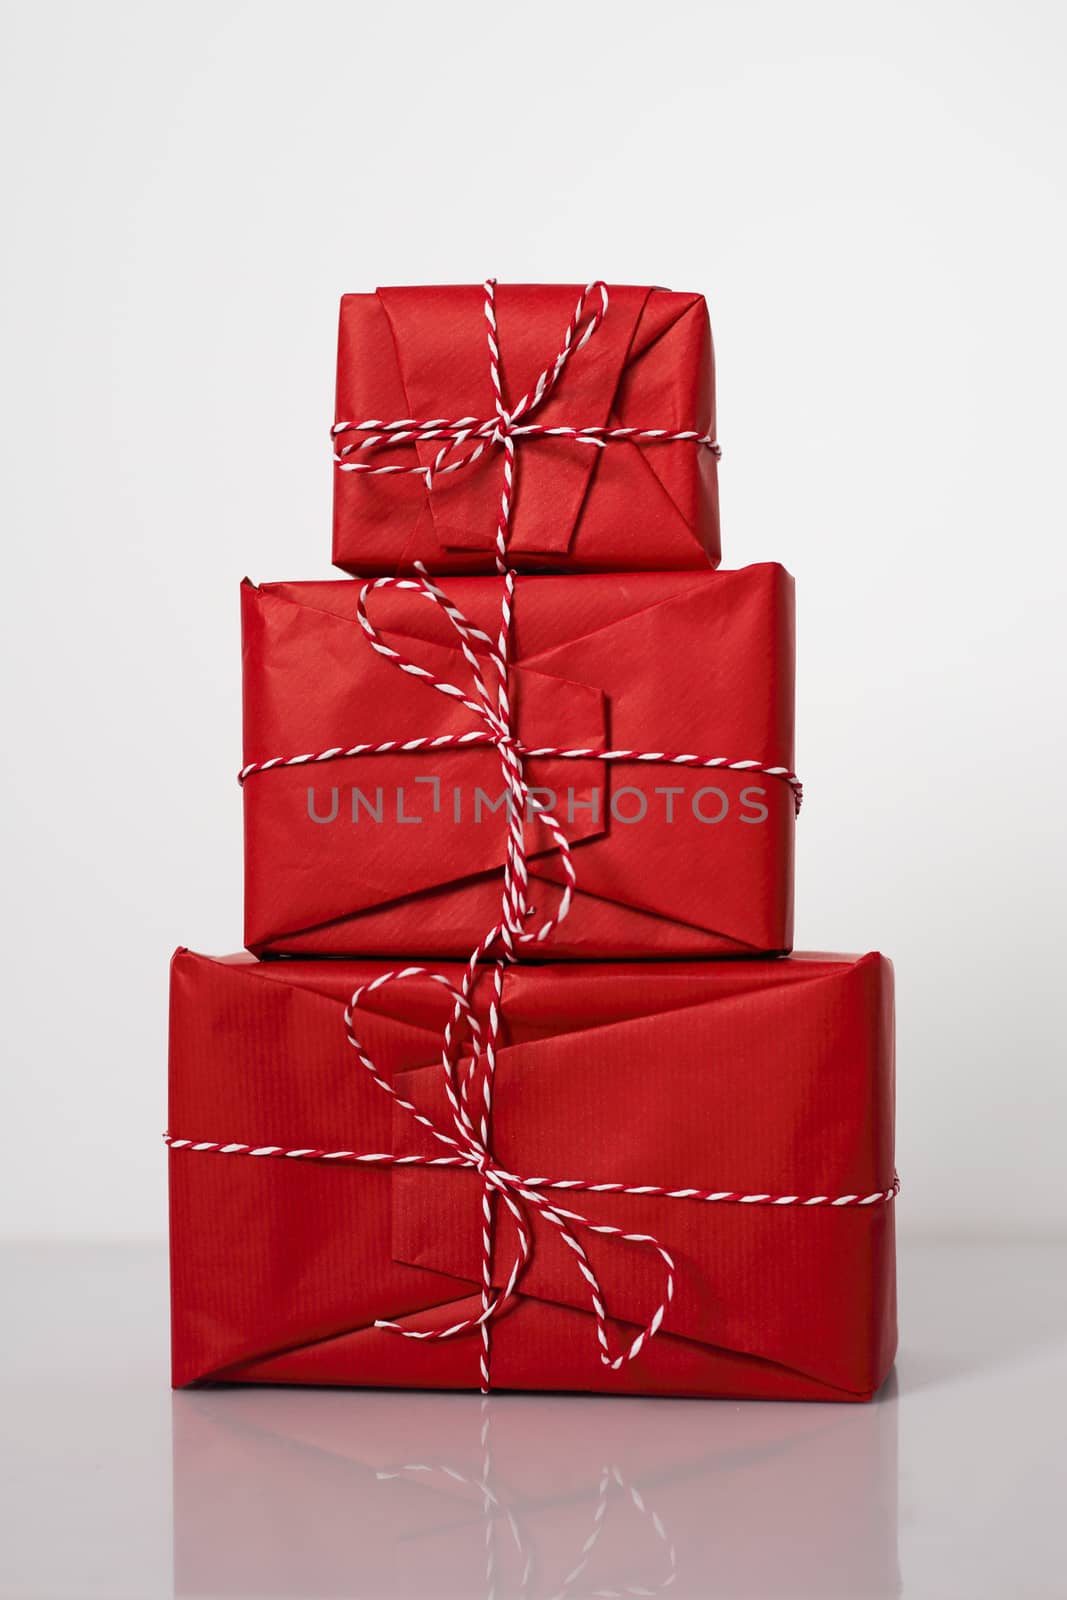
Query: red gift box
x,y
421,355
725,1128
401,850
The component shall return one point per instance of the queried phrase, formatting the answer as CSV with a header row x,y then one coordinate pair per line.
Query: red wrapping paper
x,y
422,353
686,662
754,1077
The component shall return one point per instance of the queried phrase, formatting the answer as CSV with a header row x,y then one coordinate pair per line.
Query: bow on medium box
x,y
624,757
610,417
670,1178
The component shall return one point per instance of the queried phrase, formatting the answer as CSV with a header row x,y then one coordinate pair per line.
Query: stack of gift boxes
x,y
517,1085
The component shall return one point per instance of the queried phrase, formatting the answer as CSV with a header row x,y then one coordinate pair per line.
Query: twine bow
x,y
468,1144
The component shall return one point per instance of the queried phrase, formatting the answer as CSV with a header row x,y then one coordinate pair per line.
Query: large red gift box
x,y
414,355
723,1126
401,851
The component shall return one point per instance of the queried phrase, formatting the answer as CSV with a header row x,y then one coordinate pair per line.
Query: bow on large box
x,y
732,1119
638,380
680,844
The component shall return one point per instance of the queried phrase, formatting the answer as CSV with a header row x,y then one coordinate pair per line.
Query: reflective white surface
x,y
951,1484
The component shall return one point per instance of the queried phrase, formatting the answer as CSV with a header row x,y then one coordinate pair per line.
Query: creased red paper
x,y
747,1076
421,353
401,854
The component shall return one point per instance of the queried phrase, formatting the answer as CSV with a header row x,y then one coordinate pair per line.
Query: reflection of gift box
x,y
743,1109
295,1493
401,850
636,503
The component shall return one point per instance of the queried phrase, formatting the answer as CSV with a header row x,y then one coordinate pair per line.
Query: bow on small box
x,y
449,445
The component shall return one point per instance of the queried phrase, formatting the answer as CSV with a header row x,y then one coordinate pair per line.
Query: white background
x,y
871,198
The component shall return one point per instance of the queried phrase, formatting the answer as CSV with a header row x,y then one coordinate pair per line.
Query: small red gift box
x,y
689,1165
602,483
661,703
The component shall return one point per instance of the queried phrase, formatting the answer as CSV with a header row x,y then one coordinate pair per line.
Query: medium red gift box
x,y
401,851
724,1128
634,501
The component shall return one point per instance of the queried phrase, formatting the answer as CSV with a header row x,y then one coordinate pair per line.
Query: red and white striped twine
x,y
469,1091
736,1197
476,737
522,1196
465,439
